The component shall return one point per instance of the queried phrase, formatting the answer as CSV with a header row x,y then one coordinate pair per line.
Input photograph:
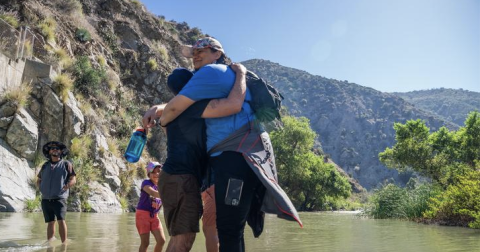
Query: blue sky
x,y
391,46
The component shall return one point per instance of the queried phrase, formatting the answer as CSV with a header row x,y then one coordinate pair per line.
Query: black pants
x,y
54,208
231,219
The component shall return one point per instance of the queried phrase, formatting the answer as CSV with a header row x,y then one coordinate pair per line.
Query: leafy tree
x,y
452,159
440,155
460,203
306,178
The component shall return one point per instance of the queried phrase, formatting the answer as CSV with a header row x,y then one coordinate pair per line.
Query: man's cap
x,y
61,146
208,42
178,79
152,165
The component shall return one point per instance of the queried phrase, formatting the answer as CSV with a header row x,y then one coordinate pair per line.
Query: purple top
x,y
146,202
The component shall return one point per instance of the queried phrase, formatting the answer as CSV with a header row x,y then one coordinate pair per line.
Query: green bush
x,y
160,48
388,202
47,29
32,205
460,203
86,173
19,95
152,64
83,35
123,203
411,202
81,147
88,80
63,83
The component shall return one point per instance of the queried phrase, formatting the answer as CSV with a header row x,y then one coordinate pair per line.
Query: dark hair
x,y
178,79
223,58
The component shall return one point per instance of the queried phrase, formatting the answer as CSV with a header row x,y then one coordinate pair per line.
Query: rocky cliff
x,y
93,68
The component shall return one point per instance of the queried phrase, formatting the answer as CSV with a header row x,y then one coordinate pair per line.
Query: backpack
x,y
266,100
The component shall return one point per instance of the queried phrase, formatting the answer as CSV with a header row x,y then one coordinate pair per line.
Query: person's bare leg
x,y
211,238
181,243
160,238
62,230
50,230
144,242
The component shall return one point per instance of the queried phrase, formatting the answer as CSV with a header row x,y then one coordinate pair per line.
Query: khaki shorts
x,y
182,204
209,207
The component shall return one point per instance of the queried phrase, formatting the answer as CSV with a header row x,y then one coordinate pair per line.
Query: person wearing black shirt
x,y
179,181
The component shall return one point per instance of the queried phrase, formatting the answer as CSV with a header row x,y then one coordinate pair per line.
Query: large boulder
x,y
16,180
102,199
22,134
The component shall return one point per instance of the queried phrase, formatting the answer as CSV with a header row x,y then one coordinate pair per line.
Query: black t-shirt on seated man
x,y
186,142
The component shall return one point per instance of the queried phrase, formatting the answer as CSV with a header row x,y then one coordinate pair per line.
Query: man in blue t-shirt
x,y
187,156
213,80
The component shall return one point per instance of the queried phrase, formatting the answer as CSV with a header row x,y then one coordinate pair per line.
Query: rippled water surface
x,y
321,232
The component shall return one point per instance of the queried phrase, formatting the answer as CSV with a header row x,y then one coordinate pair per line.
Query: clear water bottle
x,y
136,145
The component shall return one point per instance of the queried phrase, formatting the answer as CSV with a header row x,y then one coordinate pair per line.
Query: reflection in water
x,y
322,232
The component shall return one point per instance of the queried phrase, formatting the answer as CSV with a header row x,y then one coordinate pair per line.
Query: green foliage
x,y
83,35
10,18
388,203
81,147
160,48
88,80
20,95
58,56
308,180
101,61
111,40
32,205
47,28
123,203
439,155
63,83
460,203
392,201
152,64
86,173
452,159
126,179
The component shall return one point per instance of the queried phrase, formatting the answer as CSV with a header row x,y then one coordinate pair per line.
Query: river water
x,y
324,231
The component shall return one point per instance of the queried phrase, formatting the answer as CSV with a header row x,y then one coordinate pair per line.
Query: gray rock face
x,y
102,199
22,134
16,175
111,168
74,119
52,117
5,121
8,109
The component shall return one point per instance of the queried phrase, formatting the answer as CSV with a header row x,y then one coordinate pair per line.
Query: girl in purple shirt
x,y
146,216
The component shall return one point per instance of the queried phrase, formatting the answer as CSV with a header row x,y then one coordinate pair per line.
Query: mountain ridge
x,y
354,122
